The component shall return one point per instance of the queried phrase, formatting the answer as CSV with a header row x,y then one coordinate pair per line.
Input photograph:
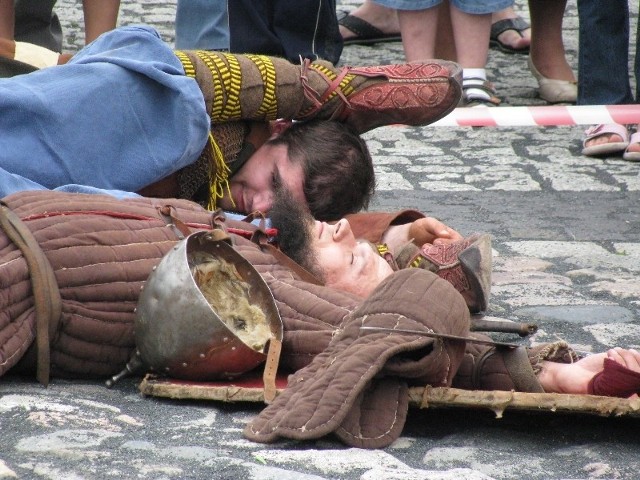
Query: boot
x,y
466,264
409,94
258,87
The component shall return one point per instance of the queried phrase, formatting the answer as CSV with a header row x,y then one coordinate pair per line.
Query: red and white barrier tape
x,y
540,116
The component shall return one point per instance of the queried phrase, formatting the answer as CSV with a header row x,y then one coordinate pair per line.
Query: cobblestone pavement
x,y
567,255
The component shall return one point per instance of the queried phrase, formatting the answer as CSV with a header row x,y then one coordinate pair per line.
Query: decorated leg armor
x,y
465,264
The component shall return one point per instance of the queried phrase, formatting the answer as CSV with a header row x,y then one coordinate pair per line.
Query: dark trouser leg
x,y
36,23
286,28
603,68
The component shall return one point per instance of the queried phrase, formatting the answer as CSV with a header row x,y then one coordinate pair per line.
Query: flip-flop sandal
x,y
366,34
498,28
605,148
614,380
632,156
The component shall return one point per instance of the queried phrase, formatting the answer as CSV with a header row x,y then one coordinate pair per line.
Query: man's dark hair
x,y
337,165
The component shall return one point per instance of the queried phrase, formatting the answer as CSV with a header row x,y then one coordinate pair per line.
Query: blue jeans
x,y
472,7
603,53
202,25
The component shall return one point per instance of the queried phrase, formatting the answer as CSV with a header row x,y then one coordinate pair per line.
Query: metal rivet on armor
x,y
166,369
225,339
154,268
184,364
202,355
135,310
233,348
141,287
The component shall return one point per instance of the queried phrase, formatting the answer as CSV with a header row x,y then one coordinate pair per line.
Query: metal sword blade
x,y
441,335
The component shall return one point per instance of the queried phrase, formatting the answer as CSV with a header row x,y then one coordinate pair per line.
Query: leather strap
x,y
179,227
47,300
271,370
519,367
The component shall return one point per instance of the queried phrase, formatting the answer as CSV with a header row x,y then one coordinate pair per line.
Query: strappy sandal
x,y
609,147
632,156
471,100
517,24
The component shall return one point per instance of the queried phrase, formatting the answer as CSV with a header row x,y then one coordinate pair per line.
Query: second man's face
x,y
347,264
253,187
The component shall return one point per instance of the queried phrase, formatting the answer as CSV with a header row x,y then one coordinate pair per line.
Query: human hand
x,y
431,230
629,358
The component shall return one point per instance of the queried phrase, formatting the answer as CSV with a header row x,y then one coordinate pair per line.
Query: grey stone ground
x,y
567,245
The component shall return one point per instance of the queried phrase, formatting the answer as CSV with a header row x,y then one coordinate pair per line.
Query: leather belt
x,y
47,300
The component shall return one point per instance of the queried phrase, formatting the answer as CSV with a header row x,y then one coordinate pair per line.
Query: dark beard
x,y
294,224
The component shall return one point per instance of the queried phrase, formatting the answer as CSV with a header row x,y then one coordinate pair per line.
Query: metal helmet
x,y
180,334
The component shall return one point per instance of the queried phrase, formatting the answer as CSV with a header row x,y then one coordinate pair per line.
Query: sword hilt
x,y
503,326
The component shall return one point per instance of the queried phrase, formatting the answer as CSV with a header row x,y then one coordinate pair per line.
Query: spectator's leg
x,y
99,16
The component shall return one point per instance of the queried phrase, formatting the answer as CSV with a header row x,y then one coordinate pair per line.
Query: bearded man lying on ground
x,y
72,267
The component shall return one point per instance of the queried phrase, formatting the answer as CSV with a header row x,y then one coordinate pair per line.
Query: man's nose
x,y
262,202
341,231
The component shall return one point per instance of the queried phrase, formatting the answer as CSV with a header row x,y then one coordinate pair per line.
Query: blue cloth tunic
x,y
119,116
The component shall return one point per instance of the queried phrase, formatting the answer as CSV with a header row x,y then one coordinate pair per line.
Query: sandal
x,y
366,34
632,156
471,100
498,28
614,380
552,90
609,147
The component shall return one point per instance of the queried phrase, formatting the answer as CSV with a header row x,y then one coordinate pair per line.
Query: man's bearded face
x,y
329,251
254,186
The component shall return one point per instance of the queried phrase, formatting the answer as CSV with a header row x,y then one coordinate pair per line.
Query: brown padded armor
x,y
102,250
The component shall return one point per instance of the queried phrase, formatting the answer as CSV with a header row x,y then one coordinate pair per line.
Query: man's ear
x,y
279,126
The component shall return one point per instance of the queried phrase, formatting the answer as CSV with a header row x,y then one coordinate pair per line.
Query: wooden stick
x,y
419,397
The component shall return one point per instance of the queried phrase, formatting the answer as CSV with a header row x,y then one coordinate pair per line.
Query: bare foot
x,y
575,377
603,139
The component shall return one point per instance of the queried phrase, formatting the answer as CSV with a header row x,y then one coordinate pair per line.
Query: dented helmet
x,y
205,313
